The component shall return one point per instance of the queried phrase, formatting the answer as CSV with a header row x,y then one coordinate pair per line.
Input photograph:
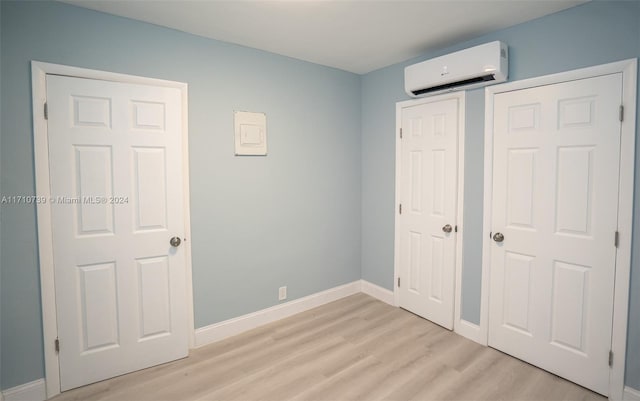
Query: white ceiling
x,y
352,35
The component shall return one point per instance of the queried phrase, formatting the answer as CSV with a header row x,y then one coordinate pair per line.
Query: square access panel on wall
x,y
250,133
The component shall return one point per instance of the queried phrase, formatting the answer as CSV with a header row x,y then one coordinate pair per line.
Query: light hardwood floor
x,y
356,348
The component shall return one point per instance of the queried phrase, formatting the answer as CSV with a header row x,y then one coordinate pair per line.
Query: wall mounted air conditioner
x,y
466,69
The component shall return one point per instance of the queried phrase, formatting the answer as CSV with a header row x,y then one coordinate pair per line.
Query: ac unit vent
x,y
453,85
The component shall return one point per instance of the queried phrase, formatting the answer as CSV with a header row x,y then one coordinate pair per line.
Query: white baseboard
x,y
32,391
219,331
631,394
470,330
378,292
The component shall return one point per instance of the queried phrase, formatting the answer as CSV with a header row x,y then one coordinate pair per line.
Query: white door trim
x,y
629,69
460,97
39,70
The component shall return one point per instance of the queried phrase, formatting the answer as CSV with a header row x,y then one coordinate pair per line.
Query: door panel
x,y
98,301
115,154
154,298
93,174
555,196
150,188
517,292
428,193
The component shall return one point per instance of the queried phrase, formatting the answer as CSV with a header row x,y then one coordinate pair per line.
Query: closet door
x,y
555,207
427,219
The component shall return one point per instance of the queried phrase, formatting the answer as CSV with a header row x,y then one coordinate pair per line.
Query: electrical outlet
x,y
282,293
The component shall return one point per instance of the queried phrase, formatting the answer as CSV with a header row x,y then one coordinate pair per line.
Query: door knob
x,y
175,242
447,228
498,237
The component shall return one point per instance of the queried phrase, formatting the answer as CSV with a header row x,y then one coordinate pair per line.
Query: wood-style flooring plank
x,y
356,348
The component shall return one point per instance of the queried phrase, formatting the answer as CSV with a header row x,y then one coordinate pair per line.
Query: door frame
x,y
460,97
39,71
629,69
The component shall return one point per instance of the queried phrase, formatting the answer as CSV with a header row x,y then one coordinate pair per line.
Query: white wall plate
x,y
250,133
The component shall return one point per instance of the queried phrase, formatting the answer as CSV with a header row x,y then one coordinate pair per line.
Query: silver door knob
x,y
447,228
175,242
498,237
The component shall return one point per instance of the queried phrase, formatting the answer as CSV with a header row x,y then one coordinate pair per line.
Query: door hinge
x,y
621,116
610,358
46,111
616,239
56,344
398,282
400,208
400,133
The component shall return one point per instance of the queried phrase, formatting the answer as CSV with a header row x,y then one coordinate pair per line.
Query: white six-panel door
x,y
555,197
427,223
115,154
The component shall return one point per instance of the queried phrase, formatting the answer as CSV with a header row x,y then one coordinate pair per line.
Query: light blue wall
x,y
291,218
591,34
